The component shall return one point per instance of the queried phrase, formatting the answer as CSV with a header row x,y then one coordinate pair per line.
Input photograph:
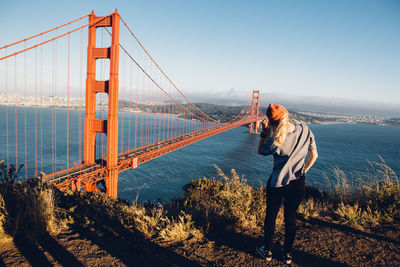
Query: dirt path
x,y
318,243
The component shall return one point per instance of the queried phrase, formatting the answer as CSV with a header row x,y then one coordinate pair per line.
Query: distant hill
x,y
392,121
298,118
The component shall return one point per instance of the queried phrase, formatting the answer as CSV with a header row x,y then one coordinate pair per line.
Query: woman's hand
x,y
265,125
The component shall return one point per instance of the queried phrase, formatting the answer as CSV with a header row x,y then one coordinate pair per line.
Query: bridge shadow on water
x,y
236,155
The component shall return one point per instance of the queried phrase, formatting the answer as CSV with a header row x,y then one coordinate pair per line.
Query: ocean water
x,y
349,147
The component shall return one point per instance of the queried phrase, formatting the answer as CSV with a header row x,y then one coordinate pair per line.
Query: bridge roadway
x,y
82,175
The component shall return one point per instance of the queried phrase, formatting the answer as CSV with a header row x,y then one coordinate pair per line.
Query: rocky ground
x,y
107,243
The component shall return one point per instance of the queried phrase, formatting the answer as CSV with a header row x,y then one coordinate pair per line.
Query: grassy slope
x,y
218,221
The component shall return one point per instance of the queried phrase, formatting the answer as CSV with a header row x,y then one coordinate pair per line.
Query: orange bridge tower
x,y
255,100
110,87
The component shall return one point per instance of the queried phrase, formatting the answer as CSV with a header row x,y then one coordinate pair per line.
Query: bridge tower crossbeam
x,y
110,87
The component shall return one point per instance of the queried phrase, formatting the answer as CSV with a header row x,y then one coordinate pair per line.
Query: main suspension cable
x,y
165,75
42,33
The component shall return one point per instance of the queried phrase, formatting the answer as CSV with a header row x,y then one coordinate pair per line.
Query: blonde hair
x,y
280,131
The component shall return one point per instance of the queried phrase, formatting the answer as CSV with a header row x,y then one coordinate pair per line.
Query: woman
x,y
289,144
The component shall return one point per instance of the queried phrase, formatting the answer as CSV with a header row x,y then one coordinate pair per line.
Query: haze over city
x,y
336,56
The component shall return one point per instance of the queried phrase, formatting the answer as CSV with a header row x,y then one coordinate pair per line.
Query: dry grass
x,y
311,208
3,218
368,199
374,197
34,207
228,201
357,217
209,204
152,221
178,230
28,207
41,207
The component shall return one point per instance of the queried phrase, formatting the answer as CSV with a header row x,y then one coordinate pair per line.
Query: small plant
x,y
8,176
357,217
342,189
148,222
178,230
3,218
41,207
229,201
310,208
28,206
351,214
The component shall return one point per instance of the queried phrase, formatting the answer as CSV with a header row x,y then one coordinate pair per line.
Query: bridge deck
x,y
84,174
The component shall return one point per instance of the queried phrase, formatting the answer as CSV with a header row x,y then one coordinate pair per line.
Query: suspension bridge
x,y
132,112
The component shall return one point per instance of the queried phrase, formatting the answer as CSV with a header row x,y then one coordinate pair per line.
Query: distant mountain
x,y
301,103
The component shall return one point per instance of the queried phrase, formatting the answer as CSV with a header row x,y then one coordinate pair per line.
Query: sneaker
x,y
265,254
287,258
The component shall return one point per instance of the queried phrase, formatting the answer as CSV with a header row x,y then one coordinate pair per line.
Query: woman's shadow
x,y
247,244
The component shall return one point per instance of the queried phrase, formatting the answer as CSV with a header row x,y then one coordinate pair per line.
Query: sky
x,y
345,52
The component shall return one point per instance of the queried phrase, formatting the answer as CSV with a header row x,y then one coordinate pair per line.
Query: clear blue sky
x,y
342,49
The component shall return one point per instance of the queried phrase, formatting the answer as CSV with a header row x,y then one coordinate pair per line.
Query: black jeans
x,y
292,195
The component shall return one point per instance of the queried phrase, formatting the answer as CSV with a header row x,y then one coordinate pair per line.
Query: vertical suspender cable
x,y
55,109
184,122
145,115
159,116
164,117
15,111
41,107
146,91
69,46
163,113
155,123
80,98
168,114
26,154
172,118
36,157
151,109
154,113
136,108
142,117
8,153
190,120
52,114
122,113
130,106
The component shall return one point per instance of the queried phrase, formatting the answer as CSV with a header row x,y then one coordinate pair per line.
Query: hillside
x,y
218,222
